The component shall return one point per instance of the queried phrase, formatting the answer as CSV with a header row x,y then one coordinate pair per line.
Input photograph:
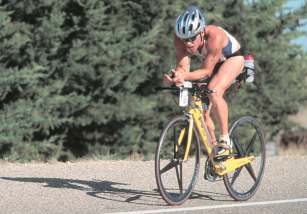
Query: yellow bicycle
x,y
177,157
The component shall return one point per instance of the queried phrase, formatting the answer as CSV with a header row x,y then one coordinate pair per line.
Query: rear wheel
x,y
175,177
248,140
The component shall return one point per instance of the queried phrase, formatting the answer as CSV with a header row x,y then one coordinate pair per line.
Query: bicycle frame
x,y
196,118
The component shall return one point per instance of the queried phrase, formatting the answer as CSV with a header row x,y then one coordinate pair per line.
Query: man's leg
x,y
210,124
227,73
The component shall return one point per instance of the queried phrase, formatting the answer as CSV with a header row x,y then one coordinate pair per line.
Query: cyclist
x,y
222,62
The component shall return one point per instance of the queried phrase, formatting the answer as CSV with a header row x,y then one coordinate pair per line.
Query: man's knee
x,y
216,96
218,91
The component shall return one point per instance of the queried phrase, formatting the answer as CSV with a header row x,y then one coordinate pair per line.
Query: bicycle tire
x,y
169,163
256,146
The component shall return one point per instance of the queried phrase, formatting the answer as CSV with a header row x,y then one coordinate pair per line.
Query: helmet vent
x,y
183,30
185,17
198,26
190,27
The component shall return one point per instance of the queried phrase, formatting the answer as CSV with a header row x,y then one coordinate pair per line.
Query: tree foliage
x,y
78,77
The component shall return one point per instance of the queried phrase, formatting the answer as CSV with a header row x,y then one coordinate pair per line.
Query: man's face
x,y
192,44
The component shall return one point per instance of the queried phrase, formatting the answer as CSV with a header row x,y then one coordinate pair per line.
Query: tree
x,y
78,77
266,30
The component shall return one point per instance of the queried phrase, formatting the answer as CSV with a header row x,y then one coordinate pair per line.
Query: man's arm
x,y
182,62
207,67
182,58
215,44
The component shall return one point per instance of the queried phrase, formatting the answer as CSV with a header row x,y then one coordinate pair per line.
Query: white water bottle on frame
x,y
250,68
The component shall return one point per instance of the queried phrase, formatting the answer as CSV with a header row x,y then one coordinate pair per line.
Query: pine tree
x,y
267,30
78,77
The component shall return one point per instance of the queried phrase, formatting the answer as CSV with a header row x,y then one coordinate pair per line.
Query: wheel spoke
x,y
179,177
251,171
239,147
180,186
251,143
174,143
236,175
169,166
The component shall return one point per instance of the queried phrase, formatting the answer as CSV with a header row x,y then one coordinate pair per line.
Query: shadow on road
x,y
109,190
106,190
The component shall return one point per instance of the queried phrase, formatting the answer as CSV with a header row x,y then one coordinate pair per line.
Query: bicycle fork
x,y
189,139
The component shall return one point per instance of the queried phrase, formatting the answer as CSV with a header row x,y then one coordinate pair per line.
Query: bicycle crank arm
x,y
223,167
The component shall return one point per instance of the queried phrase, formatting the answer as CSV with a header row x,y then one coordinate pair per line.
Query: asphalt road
x,y
129,186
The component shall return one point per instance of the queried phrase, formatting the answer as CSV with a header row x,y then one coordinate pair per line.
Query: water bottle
x,y
249,66
184,94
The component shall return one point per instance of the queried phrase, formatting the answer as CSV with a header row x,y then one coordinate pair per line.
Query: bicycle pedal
x,y
209,176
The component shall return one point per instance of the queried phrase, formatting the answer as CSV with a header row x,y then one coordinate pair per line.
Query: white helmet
x,y
189,23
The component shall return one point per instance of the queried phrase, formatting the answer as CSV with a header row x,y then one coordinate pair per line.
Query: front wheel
x,y
248,140
175,176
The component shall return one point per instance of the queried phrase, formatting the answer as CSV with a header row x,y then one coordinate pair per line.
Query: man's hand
x,y
175,77
167,80
178,78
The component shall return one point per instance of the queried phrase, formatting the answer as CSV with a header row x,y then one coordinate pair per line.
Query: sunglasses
x,y
192,39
